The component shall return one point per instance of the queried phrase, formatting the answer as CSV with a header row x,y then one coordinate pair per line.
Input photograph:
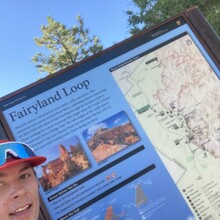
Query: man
x,y
19,197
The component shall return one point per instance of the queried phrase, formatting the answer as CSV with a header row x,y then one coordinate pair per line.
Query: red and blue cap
x,y
12,153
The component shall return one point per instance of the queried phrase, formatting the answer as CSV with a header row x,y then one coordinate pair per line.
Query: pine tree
x,y
64,46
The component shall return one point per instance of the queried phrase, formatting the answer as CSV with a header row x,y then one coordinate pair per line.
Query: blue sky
x,y
20,22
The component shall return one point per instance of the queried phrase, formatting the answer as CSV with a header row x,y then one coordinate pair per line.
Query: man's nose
x,y
17,190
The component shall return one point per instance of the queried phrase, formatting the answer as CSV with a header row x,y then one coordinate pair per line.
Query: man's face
x,y
19,198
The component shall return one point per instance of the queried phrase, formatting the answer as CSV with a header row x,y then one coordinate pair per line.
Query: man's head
x,y
19,198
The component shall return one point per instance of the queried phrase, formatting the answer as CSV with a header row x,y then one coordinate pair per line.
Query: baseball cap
x,y
12,153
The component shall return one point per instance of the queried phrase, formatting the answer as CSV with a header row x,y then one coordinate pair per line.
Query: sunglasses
x,y
15,149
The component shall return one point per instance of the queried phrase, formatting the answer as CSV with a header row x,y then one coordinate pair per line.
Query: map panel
x,y
175,95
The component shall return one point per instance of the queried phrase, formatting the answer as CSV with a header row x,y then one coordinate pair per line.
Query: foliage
x,y
65,46
150,12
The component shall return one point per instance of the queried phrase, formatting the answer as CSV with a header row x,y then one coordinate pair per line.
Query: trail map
x,y
176,97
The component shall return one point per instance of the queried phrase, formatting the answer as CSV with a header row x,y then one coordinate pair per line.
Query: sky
x,y
20,23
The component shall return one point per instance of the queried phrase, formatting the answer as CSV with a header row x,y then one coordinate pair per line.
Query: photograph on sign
x,y
110,136
64,161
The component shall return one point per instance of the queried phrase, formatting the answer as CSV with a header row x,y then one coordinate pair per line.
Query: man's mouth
x,y
20,210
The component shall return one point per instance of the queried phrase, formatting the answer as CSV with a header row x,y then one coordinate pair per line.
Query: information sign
x,y
135,127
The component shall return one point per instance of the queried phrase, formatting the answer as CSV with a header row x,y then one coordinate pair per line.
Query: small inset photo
x,y
64,160
110,136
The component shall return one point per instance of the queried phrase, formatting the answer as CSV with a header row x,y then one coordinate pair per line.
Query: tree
x,y
64,46
150,12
